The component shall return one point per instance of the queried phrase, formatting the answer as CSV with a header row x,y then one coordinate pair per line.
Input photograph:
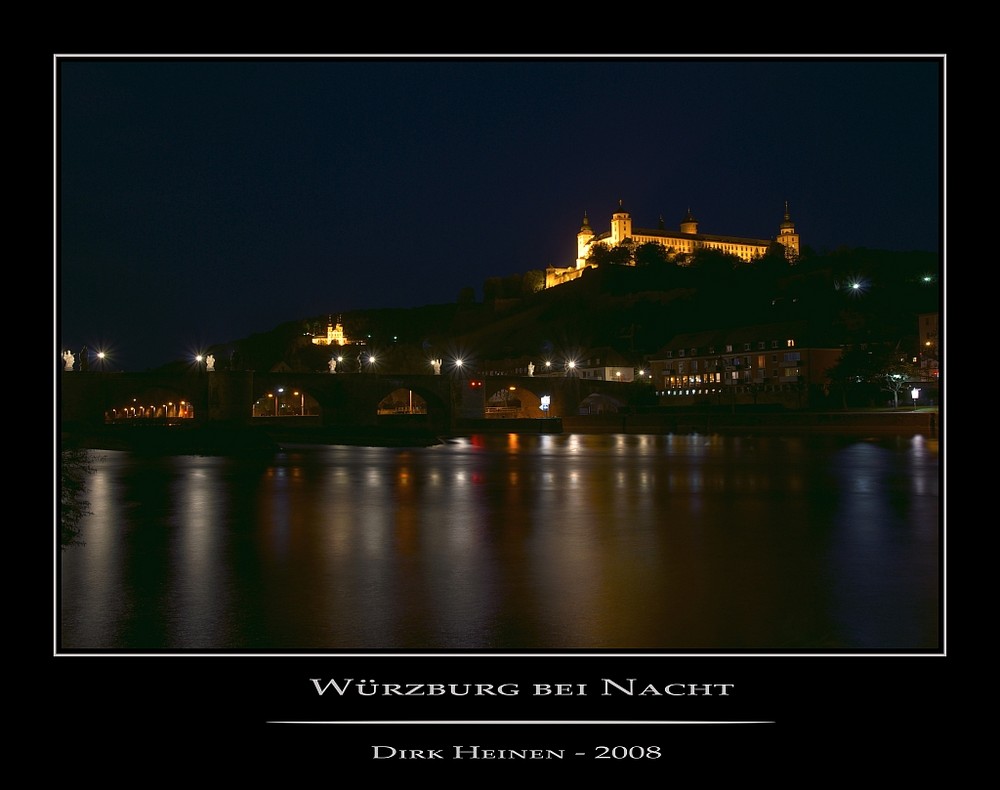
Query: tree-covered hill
x,y
852,294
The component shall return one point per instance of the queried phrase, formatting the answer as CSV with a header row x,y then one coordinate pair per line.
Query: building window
x,y
694,352
760,345
680,353
746,346
791,343
774,344
711,349
729,348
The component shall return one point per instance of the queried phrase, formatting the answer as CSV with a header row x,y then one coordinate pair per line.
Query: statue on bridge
x,y
332,364
531,368
210,363
436,364
68,360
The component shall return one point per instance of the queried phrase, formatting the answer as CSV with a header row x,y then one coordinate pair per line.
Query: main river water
x,y
509,542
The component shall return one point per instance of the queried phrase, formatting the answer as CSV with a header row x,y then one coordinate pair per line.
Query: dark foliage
x,y
74,466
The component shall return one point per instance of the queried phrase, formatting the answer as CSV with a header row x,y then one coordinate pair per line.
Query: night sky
x,y
199,202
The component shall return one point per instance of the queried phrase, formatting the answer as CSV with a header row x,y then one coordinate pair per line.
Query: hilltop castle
x,y
680,242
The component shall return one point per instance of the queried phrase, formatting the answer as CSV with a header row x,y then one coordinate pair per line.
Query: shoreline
x,y
218,439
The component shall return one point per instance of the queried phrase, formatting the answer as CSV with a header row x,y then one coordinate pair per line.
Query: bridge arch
x,y
150,403
357,399
511,400
600,403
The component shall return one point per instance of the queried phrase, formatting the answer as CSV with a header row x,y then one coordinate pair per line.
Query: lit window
x,y
791,343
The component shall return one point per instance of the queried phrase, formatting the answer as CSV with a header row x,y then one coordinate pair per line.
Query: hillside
x,y
632,310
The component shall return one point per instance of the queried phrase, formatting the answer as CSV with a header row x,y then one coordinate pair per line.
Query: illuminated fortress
x,y
679,243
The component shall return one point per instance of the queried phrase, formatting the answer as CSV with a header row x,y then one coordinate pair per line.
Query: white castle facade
x,y
682,242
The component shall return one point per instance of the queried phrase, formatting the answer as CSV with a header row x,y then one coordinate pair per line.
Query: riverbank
x,y
264,439
721,421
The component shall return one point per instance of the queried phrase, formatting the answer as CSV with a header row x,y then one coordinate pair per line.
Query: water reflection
x,y
506,542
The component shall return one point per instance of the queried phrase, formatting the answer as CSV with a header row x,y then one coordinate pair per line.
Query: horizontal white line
x,y
526,721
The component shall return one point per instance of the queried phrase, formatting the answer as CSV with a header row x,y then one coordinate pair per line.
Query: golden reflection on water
x,y
507,541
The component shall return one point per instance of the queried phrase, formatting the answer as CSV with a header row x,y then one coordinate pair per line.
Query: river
x,y
663,543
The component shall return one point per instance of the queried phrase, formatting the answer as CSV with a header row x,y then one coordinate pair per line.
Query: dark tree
x,y
533,281
73,507
599,255
653,254
492,289
512,286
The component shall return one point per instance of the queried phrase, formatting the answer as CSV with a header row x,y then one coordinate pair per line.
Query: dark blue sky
x,y
202,201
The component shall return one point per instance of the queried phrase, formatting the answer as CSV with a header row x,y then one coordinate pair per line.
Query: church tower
x,y
583,239
621,225
689,224
788,237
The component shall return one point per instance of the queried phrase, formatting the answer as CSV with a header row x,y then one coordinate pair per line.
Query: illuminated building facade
x,y
682,242
334,335
927,329
743,363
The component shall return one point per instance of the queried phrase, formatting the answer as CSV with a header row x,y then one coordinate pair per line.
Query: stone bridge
x,y
325,399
